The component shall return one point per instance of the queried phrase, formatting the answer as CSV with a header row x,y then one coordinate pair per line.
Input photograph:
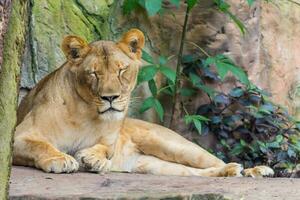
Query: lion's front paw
x,y
92,161
231,170
258,171
62,163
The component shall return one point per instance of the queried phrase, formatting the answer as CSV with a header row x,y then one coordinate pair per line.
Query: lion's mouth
x,y
109,109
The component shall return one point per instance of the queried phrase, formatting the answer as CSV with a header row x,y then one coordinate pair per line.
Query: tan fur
x,y
65,122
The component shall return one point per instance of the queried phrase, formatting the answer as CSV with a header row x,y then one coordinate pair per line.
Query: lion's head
x,y
105,72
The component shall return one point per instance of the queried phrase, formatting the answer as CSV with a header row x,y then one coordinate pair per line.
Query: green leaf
x,y
239,74
196,120
266,108
218,61
129,5
279,138
297,125
175,2
152,102
237,149
224,143
291,153
210,91
225,8
147,73
243,143
162,60
240,24
198,125
195,79
273,145
147,104
264,111
159,109
152,87
222,5
170,90
197,82
262,147
191,4
250,2
224,65
189,118
296,146
261,144
168,72
216,119
222,71
147,57
236,92
189,58
187,92
142,3
294,139
152,6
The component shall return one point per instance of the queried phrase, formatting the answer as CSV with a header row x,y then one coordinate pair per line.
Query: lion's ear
x,y
132,43
74,47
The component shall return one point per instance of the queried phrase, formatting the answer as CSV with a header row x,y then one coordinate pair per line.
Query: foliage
x,y
152,6
224,65
147,74
224,7
156,6
249,128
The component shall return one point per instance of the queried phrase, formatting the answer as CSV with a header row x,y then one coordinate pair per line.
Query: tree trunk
x,y
13,22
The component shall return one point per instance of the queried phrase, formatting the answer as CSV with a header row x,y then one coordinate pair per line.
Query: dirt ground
x,y
27,183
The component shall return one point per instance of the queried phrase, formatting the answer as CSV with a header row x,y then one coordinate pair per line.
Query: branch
x,y
178,68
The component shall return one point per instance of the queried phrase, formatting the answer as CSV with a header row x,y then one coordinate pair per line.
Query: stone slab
x,y
27,183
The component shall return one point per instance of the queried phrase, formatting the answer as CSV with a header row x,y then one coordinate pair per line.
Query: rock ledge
x,y
27,183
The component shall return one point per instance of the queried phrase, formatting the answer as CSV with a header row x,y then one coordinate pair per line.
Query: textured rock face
x,y
12,39
278,70
50,21
5,8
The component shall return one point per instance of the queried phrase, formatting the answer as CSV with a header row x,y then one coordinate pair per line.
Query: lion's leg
x,y
33,151
167,145
153,165
94,158
258,171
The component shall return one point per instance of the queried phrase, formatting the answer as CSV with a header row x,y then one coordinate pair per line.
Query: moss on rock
x,y
50,21
9,79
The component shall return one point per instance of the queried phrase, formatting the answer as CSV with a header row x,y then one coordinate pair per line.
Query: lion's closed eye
x,y
121,71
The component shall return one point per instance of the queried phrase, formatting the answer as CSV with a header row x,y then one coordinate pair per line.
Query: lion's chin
x,y
110,114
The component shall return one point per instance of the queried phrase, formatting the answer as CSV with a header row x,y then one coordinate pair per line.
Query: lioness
x,y
76,117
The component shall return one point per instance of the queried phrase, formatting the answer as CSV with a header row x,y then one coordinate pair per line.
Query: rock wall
x,y
50,21
279,68
268,51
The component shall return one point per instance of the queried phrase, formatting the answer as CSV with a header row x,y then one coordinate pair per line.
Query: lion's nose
x,y
109,98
